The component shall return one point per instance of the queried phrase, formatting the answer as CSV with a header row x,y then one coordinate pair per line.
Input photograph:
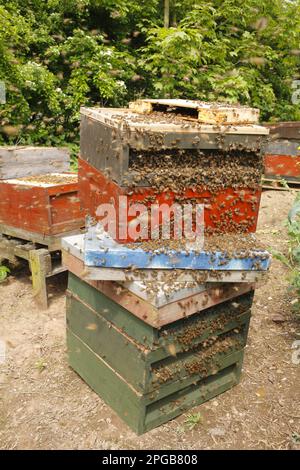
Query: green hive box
x,y
149,376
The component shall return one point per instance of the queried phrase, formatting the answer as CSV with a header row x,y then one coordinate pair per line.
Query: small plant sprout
x,y
4,271
193,420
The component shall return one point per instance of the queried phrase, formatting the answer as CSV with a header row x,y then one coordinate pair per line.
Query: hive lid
x,y
128,119
204,112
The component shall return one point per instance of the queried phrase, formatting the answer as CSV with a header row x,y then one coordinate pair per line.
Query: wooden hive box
x,y
44,204
113,140
282,155
150,375
20,161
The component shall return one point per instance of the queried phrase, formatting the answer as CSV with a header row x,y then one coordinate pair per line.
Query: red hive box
x,y
228,210
282,157
45,204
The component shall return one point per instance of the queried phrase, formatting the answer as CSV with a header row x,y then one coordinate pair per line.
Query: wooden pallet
x,y
149,375
40,252
281,184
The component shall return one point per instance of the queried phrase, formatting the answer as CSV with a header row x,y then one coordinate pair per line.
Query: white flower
x,y
121,83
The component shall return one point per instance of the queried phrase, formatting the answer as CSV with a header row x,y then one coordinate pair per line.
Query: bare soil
x,y
45,405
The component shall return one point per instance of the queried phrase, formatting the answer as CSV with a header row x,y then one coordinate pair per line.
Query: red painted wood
x,y
243,204
46,210
282,165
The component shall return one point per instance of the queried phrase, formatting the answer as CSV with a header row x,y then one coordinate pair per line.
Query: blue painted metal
x,y
100,250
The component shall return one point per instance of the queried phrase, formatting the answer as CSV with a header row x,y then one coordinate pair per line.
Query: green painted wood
x,y
132,406
173,387
164,410
139,330
113,312
118,350
127,357
116,393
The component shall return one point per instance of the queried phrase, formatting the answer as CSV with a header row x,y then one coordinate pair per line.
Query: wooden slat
x,y
121,275
53,242
118,118
139,366
144,333
171,311
140,412
17,162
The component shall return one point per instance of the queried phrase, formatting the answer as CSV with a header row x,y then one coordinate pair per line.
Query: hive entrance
x,y
179,111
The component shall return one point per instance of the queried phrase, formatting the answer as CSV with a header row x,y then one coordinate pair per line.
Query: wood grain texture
x,y
138,365
207,113
17,162
168,313
143,333
45,210
96,189
144,412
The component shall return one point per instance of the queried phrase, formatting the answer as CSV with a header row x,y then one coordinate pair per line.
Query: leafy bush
x,y
291,259
56,56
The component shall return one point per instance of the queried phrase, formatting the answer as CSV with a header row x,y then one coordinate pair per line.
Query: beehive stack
x,y
157,332
282,157
38,194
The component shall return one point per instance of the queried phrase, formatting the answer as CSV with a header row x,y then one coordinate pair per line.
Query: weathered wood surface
x,y
52,242
144,412
96,189
124,118
141,367
16,244
282,166
17,162
100,250
285,130
47,210
207,113
283,147
122,275
107,137
40,266
184,304
144,333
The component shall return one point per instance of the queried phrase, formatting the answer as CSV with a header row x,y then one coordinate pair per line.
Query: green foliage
x,y
56,56
291,258
4,271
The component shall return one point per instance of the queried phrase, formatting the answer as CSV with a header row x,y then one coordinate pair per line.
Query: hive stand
x,y
39,251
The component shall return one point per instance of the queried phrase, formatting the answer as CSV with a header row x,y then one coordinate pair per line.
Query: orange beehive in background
x,y
37,193
282,156
48,208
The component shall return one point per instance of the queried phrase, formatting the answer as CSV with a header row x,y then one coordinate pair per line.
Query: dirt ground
x,y
45,405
